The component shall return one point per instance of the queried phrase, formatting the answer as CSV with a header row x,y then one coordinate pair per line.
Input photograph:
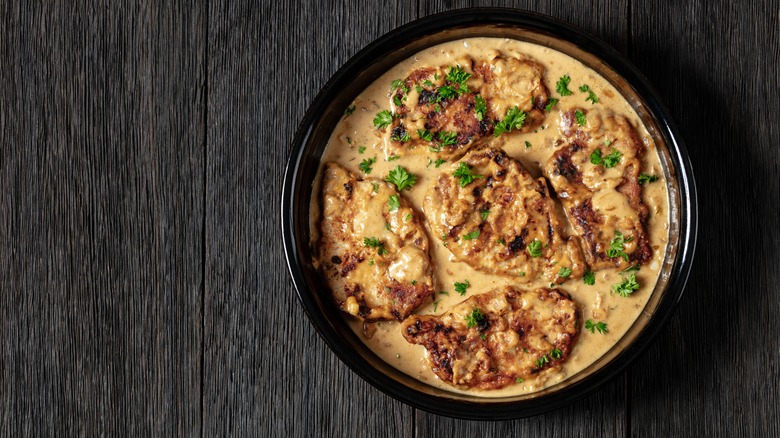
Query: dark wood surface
x,y
143,289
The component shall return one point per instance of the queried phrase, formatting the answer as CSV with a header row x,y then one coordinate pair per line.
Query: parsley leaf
x,y
616,246
589,278
484,214
519,380
580,116
527,144
447,92
383,119
645,178
374,242
591,95
365,165
361,149
350,109
401,178
551,102
472,235
612,159
425,134
596,158
447,138
628,286
439,162
461,287
480,108
562,86
474,317
600,326
564,272
534,248
514,120
464,173
542,360
556,353
394,202
456,75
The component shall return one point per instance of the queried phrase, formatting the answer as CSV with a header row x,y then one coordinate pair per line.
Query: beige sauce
x,y
597,302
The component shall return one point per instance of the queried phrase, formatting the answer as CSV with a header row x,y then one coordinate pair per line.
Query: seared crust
x,y
601,201
429,102
521,333
490,222
366,281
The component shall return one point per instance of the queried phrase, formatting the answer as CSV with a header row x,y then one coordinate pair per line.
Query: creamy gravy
x,y
596,302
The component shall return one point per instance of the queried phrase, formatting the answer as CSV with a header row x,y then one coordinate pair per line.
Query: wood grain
x,y
716,369
101,219
143,288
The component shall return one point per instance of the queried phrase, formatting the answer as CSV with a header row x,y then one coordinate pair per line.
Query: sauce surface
x,y
355,139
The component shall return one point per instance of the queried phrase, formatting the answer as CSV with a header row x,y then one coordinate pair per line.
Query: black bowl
x,y
372,62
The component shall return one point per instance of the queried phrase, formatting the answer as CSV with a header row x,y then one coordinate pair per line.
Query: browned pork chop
x,y
493,339
492,214
373,250
446,110
595,175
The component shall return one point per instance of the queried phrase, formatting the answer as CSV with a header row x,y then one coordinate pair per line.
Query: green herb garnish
x,y
645,178
564,272
425,134
447,138
589,278
562,86
365,165
464,174
374,242
394,202
472,235
591,95
514,120
350,109
461,287
401,178
383,119
480,108
616,246
580,116
534,248
600,326
551,102
628,286
473,318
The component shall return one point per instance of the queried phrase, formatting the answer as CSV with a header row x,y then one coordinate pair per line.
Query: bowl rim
x,y
494,409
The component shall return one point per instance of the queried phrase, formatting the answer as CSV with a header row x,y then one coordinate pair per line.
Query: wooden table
x,y
143,289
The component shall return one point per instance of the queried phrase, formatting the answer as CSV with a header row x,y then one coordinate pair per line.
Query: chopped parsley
x,y
551,102
425,134
612,159
383,119
609,161
519,380
474,317
435,305
480,108
461,287
365,165
403,138
444,292
564,272
645,178
350,109
472,235
401,178
589,278
464,174
439,162
527,144
542,360
375,185
556,353
456,75
534,248
361,149
616,246
514,120
374,242
580,116
501,241
593,327
484,214
562,86
393,157
591,95
394,202
447,138
447,92
628,286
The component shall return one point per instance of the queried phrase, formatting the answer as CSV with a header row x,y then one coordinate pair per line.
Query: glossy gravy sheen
x,y
596,302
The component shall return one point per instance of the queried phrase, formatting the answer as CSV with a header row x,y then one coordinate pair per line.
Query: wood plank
x,y
716,370
101,218
603,413
265,367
